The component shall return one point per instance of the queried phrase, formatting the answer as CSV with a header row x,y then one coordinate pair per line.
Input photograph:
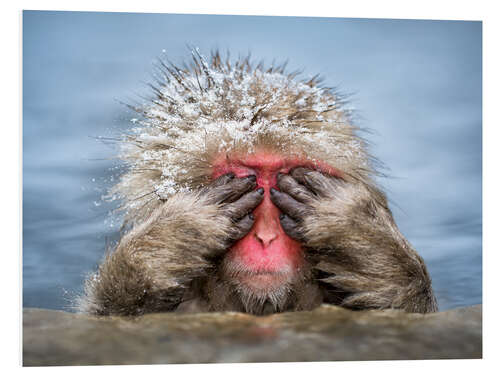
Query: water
x,y
417,84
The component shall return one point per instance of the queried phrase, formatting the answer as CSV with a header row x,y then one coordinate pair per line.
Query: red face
x,y
266,257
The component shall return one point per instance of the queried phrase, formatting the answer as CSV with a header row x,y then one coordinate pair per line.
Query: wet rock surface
x,y
328,333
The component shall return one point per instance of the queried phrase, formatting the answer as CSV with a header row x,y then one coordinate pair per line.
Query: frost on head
x,y
208,108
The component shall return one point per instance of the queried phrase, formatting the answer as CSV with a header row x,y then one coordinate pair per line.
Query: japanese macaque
x,y
250,190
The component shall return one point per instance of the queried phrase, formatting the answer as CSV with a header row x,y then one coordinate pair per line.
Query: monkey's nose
x,y
266,227
265,238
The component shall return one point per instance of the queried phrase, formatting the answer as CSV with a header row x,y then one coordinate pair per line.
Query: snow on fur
x,y
207,108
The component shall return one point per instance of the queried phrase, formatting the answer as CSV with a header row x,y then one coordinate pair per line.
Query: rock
x,y
328,333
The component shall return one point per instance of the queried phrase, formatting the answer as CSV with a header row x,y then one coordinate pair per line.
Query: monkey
x,y
250,190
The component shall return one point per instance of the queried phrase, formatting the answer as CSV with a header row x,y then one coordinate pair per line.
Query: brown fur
x,y
363,253
173,258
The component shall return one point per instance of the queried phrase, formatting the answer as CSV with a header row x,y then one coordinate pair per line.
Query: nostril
x,y
265,238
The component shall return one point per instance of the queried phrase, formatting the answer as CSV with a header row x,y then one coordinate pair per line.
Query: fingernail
x,y
252,177
260,191
250,215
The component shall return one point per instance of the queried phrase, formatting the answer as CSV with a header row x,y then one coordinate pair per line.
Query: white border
x,y
422,9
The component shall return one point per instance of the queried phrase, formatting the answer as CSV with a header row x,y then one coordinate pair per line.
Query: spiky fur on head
x,y
211,107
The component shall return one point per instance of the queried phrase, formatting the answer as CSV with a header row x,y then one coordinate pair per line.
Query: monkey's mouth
x,y
265,281
263,274
260,282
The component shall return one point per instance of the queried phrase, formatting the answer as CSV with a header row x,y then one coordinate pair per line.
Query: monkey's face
x,y
266,259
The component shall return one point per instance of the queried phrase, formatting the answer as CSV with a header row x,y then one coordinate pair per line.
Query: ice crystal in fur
x,y
211,107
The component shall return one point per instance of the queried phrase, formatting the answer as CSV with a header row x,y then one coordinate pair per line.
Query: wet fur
x,y
173,258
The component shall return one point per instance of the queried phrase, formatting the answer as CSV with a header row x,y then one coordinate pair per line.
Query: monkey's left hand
x,y
348,230
300,190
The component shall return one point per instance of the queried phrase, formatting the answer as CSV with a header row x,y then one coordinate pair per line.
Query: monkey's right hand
x,y
236,199
154,263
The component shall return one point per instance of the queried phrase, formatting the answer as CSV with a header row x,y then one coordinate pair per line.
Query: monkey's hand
x,y
236,200
350,237
153,265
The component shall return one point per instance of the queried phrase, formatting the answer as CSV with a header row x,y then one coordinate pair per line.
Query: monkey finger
x,y
322,185
232,190
291,227
222,180
289,185
247,203
298,174
239,186
212,192
316,181
242,227
289,205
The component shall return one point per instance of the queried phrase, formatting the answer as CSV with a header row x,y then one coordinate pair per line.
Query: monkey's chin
x,y
263,283
264,291
259,273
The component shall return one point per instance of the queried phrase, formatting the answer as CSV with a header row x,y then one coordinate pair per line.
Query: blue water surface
x,y
416,84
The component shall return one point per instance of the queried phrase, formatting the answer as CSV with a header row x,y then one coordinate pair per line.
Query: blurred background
x,y
416,84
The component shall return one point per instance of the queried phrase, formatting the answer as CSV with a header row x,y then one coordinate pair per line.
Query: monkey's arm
x,y
354,241
153,265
